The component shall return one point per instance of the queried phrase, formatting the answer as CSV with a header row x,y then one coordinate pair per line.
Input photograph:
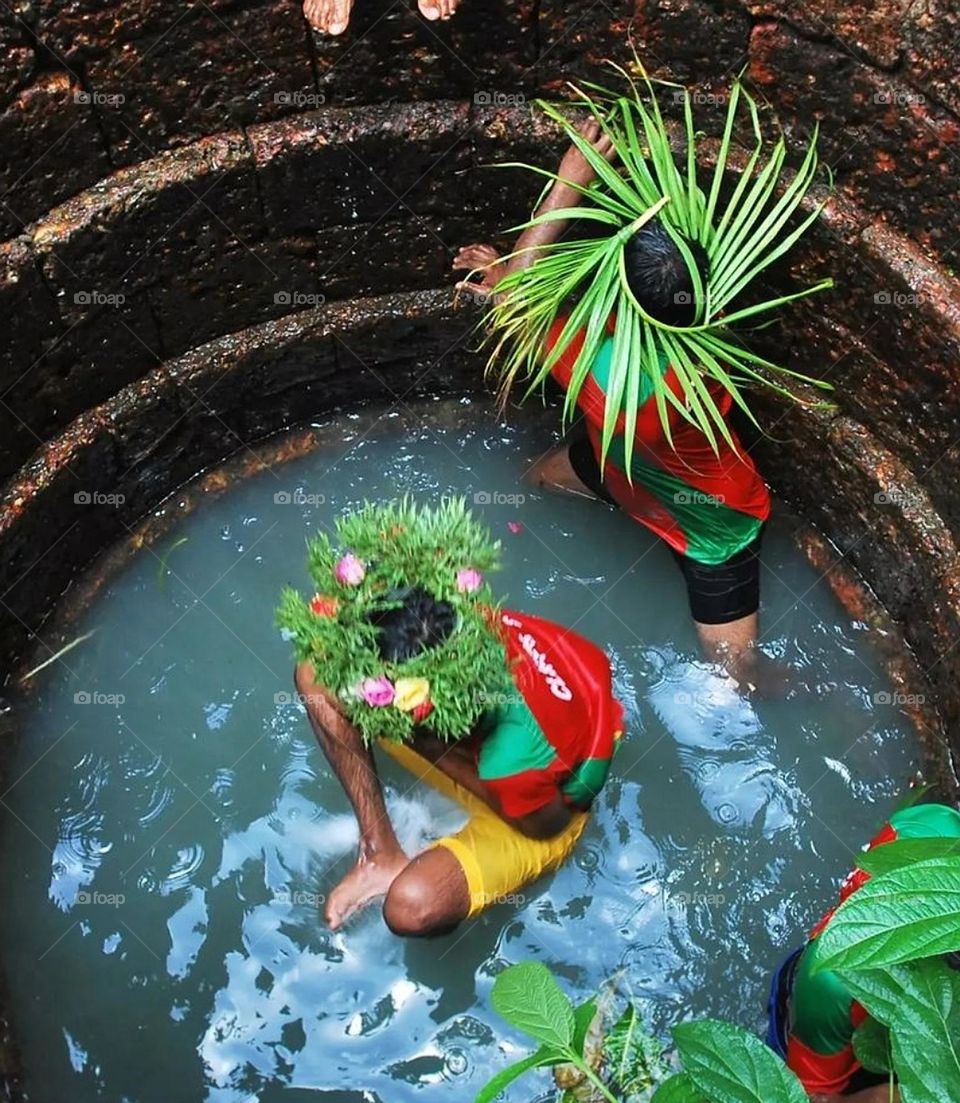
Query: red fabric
x,y
729,475
826,1074
566,683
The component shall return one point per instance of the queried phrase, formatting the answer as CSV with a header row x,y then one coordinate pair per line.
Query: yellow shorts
x,y
497,859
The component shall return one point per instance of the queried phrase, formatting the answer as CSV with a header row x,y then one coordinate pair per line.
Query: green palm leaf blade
x,y
718,236
713,367
706,228
750,208
620,365
690,375
632,397
606,289
745,259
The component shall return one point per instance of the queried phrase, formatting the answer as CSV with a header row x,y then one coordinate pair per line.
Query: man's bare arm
x,y
575,174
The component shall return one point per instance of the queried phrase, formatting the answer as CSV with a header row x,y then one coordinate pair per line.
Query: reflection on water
x,y
174,828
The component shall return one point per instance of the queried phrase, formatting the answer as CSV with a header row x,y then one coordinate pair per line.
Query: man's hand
x,y
483,257
574,167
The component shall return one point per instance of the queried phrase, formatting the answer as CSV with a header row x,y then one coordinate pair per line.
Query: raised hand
x,y
486,258
574,167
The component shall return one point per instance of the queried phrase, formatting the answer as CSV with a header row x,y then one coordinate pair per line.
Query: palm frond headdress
x,y
741,235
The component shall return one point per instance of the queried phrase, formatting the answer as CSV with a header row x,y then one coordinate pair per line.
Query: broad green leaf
x,y
583,1017
871,1046
678,1089
731,1065
908,913
529,998
544,1057
920,1004
905,852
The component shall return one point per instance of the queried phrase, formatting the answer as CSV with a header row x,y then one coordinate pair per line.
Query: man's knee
x,y
411,907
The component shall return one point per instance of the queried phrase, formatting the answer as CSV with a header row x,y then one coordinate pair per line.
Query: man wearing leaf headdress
x,y
509,714
627,325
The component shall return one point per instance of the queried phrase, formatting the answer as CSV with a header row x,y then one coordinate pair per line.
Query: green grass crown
x,y
378,552
741,236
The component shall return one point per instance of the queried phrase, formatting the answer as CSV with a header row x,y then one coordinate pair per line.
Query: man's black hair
x,y
419,623
658,275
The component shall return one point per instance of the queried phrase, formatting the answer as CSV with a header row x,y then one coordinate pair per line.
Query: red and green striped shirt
x,y
706,505
558,732
823,1014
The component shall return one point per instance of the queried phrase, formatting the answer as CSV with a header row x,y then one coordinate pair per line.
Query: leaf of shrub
x,y
529,998
920,1003
906,852
730,1065
909,913
678,1089
871,1046
544,1057
583,1017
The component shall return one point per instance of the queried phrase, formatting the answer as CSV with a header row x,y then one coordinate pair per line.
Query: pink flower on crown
x,y
349,570
377,692
469,580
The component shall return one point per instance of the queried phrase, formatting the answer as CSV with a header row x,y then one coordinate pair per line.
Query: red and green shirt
x,y
706,505
823,1015
559,731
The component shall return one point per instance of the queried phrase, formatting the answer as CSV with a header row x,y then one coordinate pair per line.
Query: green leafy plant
x,y
886,942
528,997
742,236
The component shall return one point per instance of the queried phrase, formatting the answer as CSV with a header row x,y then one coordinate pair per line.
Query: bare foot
x,y
437,9
369,878
329,16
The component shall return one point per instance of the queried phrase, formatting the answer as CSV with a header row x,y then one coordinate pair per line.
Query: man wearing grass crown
x,y
403,648
632,313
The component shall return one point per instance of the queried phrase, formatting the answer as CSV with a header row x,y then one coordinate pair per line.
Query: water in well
x,y
172,826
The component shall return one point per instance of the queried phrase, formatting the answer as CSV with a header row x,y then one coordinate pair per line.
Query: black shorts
x,y
718,592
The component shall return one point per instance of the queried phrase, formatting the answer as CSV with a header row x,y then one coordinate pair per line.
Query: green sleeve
x,y
820,1007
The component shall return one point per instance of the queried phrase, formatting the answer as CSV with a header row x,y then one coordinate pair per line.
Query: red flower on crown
x,y
324,606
